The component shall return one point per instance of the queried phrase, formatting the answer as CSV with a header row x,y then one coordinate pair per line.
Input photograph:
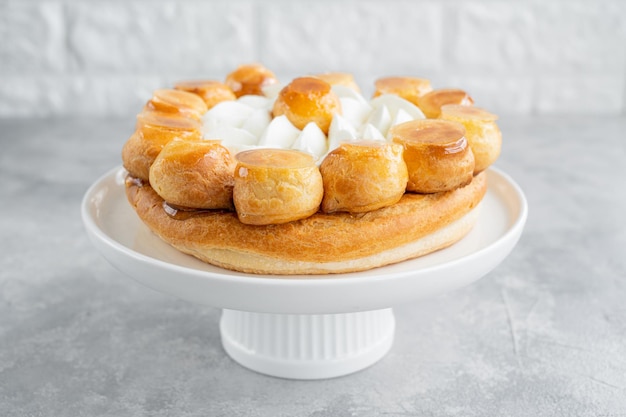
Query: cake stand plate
x,y
303,327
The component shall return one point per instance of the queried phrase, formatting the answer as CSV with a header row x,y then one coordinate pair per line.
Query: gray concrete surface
x,y
542,335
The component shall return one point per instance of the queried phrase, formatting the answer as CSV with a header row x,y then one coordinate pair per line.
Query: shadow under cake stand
x,y
303,327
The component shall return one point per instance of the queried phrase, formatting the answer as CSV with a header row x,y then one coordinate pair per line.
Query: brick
x,y
26,96
112,95
76,95
360,37
499,94
60,57
580,95
33,37
186,38
532,38
489,37
579,37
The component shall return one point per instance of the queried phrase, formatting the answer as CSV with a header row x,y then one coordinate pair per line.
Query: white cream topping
x,y
280,133
247,123
226,113
393,103
271,91
340,130
346,92
257,102
233,135
312,140
369,132
355,111
258,122
380,118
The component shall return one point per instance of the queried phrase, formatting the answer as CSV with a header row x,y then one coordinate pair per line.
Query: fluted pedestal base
x,y
300,346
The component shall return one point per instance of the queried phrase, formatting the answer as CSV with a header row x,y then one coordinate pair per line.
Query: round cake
x,y
308,177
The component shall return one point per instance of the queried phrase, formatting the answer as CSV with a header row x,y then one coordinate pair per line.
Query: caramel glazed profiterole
x,y
308,177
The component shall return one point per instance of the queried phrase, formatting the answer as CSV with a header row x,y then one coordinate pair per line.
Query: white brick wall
x,y
66,57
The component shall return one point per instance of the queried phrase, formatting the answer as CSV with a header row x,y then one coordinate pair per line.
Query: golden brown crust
x,y
307,99
363,176
409,88
430,104
436,153
153,132
339,78
322,243
172,101
194,174
211,91
250,79
274,186
482,133
275,212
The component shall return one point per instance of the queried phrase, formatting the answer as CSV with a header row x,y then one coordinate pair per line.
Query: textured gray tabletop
x,y
543,334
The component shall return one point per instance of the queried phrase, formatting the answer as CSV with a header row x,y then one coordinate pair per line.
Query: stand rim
x,y
125,242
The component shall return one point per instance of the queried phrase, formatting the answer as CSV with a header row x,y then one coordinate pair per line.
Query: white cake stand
x,y
303,327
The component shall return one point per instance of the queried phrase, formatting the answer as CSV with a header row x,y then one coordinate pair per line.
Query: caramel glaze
x,y
307,99
250,79
138,182
446,138
184,213
436,153
212,92
430,104
172,210
409,88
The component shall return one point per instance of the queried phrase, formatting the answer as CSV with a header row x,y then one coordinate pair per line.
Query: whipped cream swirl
x,y
246,123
